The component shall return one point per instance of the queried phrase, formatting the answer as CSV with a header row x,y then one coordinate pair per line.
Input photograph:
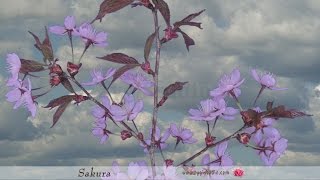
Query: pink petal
x,y
146,91
106,102
221,148
205,160
110,73
255,75
100,37
174,129
70,22
138,107
235,75
104,138
186,134
13,95
57,30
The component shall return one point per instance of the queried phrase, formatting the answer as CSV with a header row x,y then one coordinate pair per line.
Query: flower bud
x,y
56,69
55,80
209,139
169,162
147,68
73,69
170,34
125,134
244,138
140,136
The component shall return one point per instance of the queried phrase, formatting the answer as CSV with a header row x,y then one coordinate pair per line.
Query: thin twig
x,y
155,99
211,146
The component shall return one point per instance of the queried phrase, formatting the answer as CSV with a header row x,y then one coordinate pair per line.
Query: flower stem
x,y
104,86
260,92
208,127
125,93
214,124
211,146
71,45
155,99
239,105
84,51
134,124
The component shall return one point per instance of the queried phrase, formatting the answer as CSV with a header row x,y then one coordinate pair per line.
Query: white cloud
x,y
296,158
14,8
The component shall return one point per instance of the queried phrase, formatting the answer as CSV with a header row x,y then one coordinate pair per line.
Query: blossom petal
x,y
255,75
281,145
221,148
174,130
205,160
60,30
104,138
69,22
101,37
13,95
138,107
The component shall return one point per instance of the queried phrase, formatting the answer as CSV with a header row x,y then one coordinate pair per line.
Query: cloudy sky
x,y
270,35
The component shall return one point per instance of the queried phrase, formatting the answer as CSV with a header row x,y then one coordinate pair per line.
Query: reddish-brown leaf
x,y
36,38
59,101
45,47
187,39
66,83
187,20
110,6
31,66
59,112
119,58
164,10
196,24
250,116
281,112
148,45
172,88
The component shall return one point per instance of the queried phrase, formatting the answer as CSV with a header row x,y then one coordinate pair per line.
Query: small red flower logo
x,y
238,172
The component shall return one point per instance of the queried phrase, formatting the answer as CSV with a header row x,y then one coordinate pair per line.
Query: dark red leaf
x,y
36,38
119,58
110,6
281,112
187,39
31,66
172,88
187,20
148,45
59,101
45,47
66,83
196,24
59,112
250,116
122,70
164,10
